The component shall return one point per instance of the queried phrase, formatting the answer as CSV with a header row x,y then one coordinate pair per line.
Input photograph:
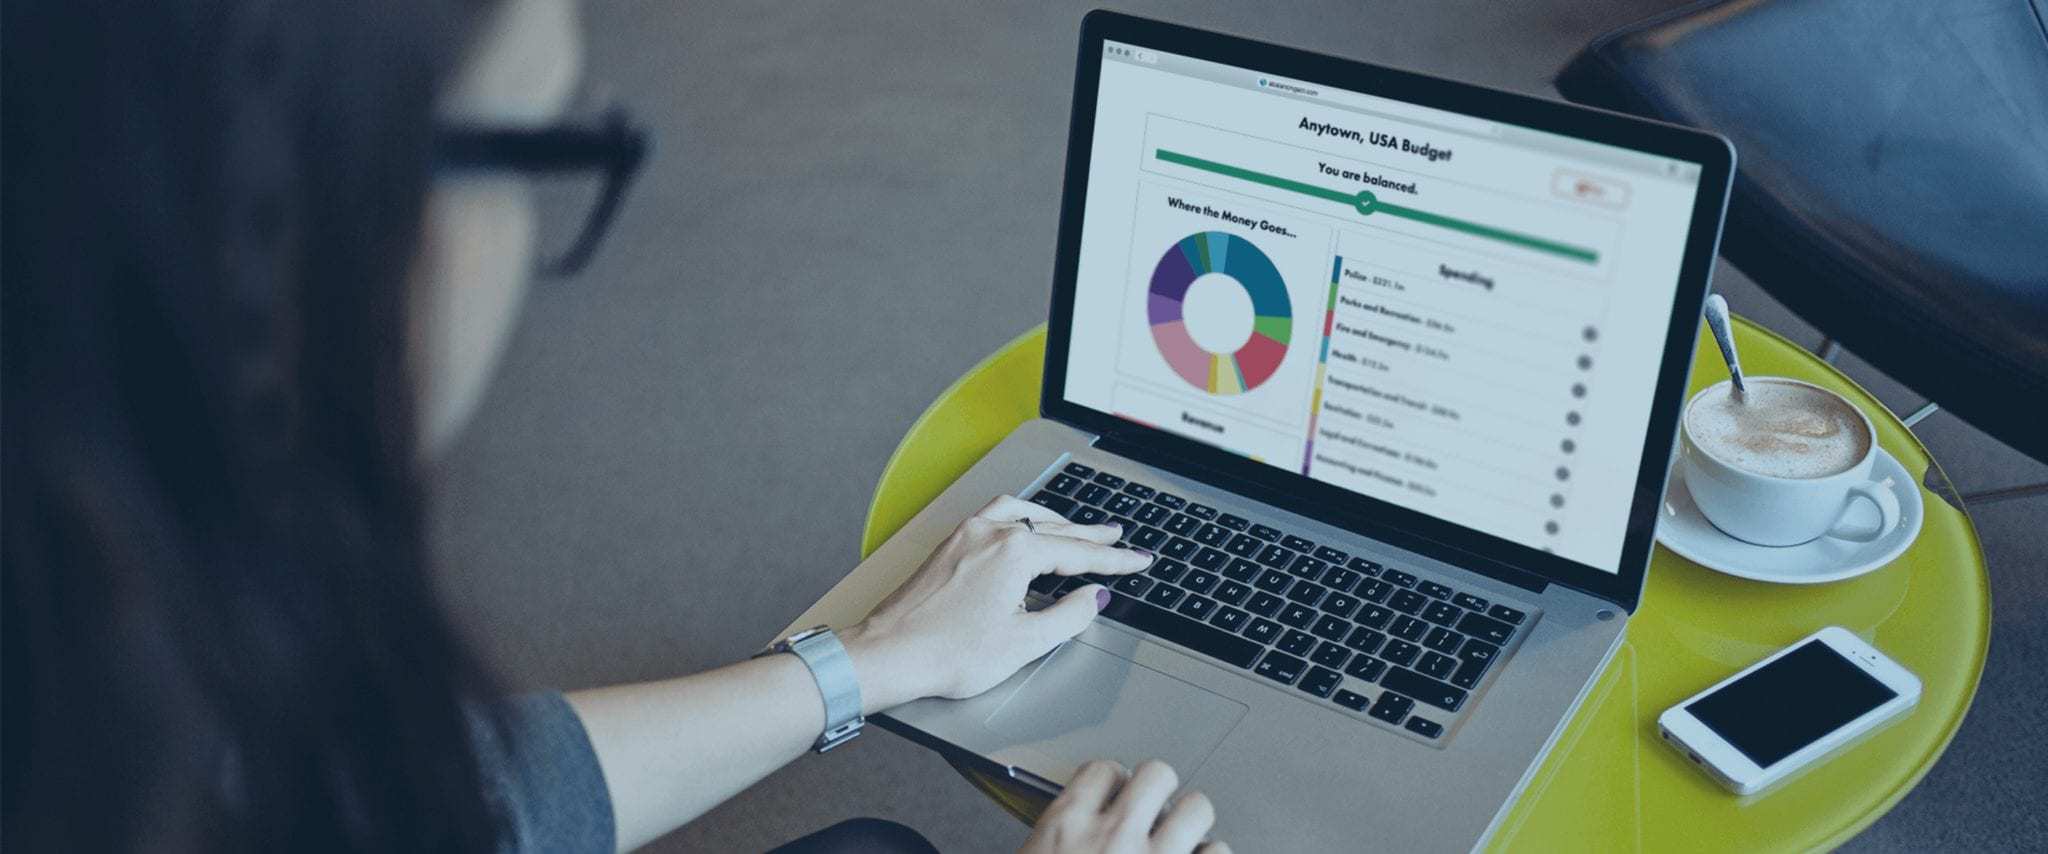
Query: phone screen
x,y
1790,703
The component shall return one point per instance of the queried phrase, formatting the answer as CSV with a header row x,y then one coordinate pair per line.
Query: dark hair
x,y
219,629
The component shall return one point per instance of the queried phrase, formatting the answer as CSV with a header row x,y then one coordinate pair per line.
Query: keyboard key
x,y
1408,628
1296,643
1433,589
1229,619
1233,522
1330,655
1339,604
1365,668
1306,592
1122,503
1264,604
1178,549
1182,524
1406,601
1240,569
1140,490
1170,500
1434,665
1442,613
1468,673
1297,615
1443,640
1331,628
1200,607
1486,628
1125,523
1212,534
1320,681
1209,559
1469,601
1088,516
1148,538
1233,592
1262,631
1274,582
1078,470
1201,511
1400,651
1308,567
1165,596
1397,577
1265,532
1425,727
1276,557
1412,684
1135,585
1350,700
1177,629
1199,581
1505,614
1363,567
1057,504
1245,545
1375,591
1296,543
1364,639
1391,707
1093,493
1151,514
1109,480
1331,555
1340,579
1167,570
1374,616
1063,484
1280,667
1478,650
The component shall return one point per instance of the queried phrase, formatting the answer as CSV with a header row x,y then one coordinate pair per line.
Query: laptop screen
x,y
1457,316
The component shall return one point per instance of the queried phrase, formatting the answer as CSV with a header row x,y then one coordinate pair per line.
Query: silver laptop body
x,y
1292,766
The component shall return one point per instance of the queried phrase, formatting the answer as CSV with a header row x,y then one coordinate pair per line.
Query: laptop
x,y
1387,370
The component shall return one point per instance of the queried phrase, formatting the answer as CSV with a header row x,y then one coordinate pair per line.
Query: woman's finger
x,y
1185,823
1068,556
1104,534
1145,794
1091,787
1214,846
1059,622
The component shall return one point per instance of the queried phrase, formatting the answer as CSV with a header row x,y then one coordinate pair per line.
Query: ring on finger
x,y
1026,522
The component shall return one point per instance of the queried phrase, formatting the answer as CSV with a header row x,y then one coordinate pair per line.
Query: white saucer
x,y
1682,529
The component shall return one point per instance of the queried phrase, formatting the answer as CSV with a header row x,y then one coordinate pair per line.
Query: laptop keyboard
x,y
1286,608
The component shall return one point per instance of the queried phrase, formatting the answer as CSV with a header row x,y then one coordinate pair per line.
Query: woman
x,y
248,266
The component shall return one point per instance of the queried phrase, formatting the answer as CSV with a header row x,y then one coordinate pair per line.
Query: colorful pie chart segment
x,y
1198,255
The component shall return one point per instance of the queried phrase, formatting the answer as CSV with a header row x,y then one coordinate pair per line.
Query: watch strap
x,y
820,650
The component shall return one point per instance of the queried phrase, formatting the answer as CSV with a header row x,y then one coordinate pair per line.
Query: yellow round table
x,y
1611,784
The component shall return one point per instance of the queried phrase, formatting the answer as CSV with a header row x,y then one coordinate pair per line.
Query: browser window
x,y
1461,317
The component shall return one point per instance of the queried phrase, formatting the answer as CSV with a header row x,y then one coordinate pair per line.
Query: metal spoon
x,y
1717,320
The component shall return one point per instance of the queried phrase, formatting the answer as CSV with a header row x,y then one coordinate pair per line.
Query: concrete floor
x,y
848,205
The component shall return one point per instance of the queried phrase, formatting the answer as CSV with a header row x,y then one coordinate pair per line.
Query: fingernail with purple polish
x,y
1101,598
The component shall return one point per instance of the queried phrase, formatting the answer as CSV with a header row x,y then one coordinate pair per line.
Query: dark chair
x,y
1892,184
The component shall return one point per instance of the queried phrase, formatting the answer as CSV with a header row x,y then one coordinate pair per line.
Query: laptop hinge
x,y
1486,566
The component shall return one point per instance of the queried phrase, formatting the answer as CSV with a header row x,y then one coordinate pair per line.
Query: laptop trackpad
x,y
1085,703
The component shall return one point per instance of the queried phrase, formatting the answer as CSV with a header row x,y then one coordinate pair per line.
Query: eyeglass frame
x,y
614,143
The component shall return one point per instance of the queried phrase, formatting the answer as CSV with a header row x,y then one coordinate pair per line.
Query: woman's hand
x,y
1102,812
958,628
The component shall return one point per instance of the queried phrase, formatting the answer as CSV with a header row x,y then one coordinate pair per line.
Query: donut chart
x,y
1208,252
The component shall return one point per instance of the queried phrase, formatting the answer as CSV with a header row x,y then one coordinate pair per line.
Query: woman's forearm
x,y
671,750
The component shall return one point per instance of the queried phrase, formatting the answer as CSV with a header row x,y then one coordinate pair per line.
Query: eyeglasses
x,y
612,146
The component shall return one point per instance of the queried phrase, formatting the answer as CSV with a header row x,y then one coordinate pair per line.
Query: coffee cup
x,y
1782,463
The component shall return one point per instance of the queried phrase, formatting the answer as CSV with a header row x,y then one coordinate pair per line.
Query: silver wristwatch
x,y
821,651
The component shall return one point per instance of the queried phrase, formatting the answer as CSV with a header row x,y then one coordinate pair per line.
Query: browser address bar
x,y
1390,108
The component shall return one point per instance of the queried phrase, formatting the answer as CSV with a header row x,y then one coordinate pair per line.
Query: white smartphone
x,y
1790,710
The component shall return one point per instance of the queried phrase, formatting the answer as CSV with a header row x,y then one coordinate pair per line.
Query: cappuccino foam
x,y
1778,429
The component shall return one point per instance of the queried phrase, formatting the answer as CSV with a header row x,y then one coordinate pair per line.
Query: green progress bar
x,y
1367,204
